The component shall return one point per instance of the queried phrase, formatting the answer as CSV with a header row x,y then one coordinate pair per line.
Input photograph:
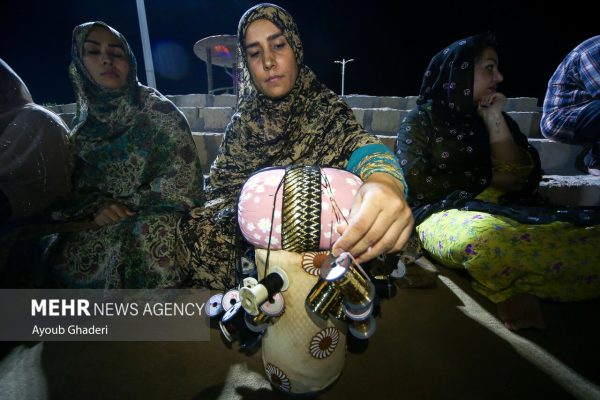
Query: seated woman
x,y
286,116
33,152
136,171
456,144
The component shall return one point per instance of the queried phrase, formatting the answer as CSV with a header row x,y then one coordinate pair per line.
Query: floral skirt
x,y
557,261
138,252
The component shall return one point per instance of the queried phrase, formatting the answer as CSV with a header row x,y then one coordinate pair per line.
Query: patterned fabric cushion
x,y
298,207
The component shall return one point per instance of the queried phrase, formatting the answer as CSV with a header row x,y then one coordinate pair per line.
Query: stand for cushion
x,y
301,353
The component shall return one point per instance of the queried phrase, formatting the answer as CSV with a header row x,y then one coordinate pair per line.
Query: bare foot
x,y
520,312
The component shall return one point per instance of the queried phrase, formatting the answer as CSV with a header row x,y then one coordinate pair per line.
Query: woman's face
x,y
487,76
270,58
105,59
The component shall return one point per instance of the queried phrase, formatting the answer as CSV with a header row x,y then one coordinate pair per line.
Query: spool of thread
x,y
363,329
256,323
323,299
384,287
357,288
252,298
214,307
273,307
230,322
339,311
230,298
233,326
249,282
358,314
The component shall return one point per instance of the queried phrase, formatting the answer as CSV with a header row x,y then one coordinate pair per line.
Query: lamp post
x,y
141,9
343,62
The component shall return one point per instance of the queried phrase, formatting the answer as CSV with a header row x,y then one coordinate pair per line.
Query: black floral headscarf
x,y
443,145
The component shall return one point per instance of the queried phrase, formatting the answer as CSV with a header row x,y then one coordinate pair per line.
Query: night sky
x,y
391,47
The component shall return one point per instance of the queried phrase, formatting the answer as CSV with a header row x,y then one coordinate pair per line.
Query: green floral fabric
x,y
133,146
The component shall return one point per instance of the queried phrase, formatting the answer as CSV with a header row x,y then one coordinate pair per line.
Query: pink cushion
x,y
255,207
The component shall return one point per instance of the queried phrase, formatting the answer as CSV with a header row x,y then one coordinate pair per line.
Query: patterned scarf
x,y
129,144
309,126
443,145
448,81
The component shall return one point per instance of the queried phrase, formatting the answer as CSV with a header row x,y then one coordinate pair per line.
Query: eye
x,y
93,51
279,46
118,55
253,54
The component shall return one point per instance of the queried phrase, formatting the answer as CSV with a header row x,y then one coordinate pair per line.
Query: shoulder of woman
x,y
34,114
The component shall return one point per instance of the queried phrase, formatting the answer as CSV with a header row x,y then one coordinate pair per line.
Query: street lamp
x,y
343,62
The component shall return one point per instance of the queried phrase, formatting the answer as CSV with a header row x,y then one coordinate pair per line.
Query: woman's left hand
x,y
380,220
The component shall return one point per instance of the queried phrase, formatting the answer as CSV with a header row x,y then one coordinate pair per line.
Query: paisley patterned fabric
x,y
133,146
310,126
444,151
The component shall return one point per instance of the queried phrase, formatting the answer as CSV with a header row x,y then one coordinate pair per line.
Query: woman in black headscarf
x,y
286,116
456,145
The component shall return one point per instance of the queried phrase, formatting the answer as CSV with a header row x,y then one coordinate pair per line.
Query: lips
x,y
110,74
274,78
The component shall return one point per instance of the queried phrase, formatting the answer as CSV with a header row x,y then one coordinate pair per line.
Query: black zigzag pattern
x,y
301,214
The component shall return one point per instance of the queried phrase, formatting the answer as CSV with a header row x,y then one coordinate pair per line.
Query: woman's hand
x,y
112,212
380,220
491,106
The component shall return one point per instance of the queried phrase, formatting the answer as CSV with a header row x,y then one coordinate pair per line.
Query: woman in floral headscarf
x,y
286,116
136,171
457,144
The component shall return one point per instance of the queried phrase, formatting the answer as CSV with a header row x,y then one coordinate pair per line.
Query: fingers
x,y
111,213
380,222
392,242
362,232
494,100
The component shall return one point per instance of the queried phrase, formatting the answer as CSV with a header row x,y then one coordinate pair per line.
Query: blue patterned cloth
x,y
575,83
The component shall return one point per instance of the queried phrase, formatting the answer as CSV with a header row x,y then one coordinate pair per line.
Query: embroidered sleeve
x,y
373,158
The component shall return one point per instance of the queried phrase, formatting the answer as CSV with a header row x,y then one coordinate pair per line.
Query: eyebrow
x,y
269,38
120,46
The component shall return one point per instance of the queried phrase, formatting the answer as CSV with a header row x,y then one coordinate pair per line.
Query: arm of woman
x,y
504,150
380,219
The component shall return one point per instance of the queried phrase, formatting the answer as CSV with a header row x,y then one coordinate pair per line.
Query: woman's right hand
x,y
112,212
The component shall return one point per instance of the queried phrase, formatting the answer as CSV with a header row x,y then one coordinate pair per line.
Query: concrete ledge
x,y
67,118
557,158
581,190
528,121
409,102
202,100
208,119
207,145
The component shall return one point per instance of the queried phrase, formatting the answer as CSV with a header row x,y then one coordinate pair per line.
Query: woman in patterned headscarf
x,y
457,144
286,116
136,171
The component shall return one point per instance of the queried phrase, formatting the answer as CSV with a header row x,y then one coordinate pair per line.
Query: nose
x,y
106,59
268,60
498,77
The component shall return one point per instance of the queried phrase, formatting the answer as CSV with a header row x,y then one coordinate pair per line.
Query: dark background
x,y
390,41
